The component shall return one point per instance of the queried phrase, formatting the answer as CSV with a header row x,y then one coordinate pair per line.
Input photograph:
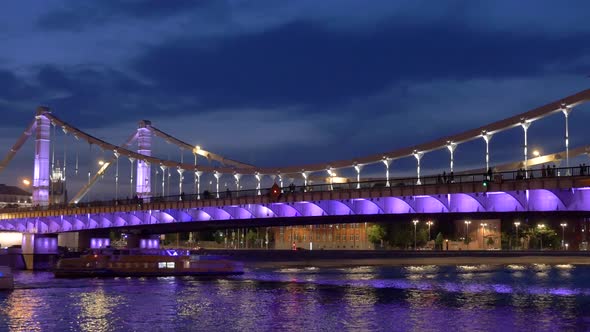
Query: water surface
x,y
412,298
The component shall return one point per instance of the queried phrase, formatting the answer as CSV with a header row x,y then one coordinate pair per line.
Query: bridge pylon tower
x,y
41,176
143,183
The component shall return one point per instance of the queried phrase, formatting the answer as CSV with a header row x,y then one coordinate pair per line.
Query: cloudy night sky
x,y
277,83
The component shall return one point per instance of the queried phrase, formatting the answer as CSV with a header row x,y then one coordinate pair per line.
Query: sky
x,y
278,82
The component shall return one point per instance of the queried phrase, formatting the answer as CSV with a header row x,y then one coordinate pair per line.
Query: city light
x,y
563,226
26,182
516,224
536,153
429,223
415,221
100,162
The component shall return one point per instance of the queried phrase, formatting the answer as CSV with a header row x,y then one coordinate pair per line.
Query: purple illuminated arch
x,y
395,205
239,212
545,200
307,209
284,210
334,208
465,203
199,215
363,206
162,217
503,202
429,204
581,202
217,213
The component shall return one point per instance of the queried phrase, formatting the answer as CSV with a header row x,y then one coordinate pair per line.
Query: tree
x,y
490,241
251,238
376,234
438,241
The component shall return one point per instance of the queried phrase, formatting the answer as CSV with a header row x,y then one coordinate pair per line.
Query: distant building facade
x,y
13,197
349,236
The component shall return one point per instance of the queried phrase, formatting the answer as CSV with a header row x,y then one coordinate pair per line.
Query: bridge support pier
x,y
143,241
80,241
39,251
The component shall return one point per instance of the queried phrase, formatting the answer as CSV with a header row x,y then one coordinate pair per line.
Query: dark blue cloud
x,y
303,63
77,15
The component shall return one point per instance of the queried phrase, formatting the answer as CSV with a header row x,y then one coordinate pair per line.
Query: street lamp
x,y
536,153
516,224
429,223
100,162
541,227
467,222
26,182
563,225
483,234
415,221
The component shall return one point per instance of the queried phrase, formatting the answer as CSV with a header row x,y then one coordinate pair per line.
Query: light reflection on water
x,y
421,298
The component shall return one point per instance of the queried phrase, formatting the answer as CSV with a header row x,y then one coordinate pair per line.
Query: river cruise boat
x,y
145,263
6,278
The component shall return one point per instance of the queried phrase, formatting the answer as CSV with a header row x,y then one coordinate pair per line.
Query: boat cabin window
x,y
166,265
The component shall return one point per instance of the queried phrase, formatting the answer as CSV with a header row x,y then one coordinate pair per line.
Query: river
x,y
407,298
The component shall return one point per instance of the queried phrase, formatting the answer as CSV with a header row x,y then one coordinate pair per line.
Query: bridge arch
x,y
465,203
394,205
545,200
284,210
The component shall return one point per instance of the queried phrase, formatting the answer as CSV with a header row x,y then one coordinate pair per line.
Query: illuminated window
x,y
170,265
161,265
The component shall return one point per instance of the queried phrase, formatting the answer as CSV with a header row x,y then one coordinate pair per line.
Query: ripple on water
x,y
466,297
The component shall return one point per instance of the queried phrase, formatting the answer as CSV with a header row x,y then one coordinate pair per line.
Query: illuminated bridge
x,y
300,194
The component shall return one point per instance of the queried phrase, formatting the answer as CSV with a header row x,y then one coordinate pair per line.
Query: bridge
x,y
302,194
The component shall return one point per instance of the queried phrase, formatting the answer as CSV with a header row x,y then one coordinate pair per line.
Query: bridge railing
x,y
439,179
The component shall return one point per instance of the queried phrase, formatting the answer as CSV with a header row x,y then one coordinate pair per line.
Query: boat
x,y
145,263
6,278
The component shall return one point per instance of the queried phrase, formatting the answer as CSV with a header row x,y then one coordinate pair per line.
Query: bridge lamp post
x,y
516,224
418,155
451,146
483,234
541,227
563,225
429,223
525,124
487,137
415,221
566,112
